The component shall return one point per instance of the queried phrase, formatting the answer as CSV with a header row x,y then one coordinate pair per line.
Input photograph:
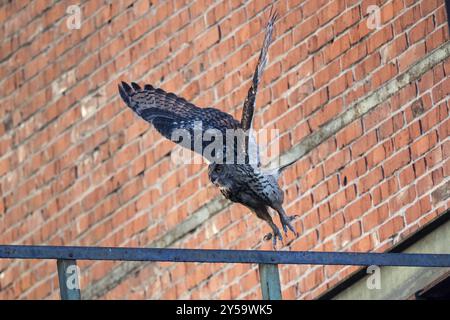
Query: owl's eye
x,y
218,169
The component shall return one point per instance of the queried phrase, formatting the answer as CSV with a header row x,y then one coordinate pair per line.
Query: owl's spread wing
x,y
174,117
249,103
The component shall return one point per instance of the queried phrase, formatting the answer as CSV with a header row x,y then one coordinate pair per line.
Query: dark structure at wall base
x,y
422,285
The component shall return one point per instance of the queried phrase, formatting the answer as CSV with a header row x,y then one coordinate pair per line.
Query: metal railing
x,y
268,261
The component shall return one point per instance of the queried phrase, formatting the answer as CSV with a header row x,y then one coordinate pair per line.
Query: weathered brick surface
x,y
78,168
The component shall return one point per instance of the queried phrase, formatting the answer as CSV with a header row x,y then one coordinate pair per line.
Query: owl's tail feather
x,y
283,167
276,173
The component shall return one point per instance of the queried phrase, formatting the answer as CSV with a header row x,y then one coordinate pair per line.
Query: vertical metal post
x,y
270,281
69,283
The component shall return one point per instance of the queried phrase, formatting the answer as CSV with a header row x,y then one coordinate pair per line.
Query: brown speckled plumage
x,y
243,183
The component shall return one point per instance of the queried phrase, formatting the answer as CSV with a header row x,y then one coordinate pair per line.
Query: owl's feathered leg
x,y
264,214
285,219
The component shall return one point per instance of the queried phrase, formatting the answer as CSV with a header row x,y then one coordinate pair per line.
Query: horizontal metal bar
x,y
224,256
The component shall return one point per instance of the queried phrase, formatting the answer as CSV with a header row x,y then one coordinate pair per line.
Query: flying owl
x,y
243,181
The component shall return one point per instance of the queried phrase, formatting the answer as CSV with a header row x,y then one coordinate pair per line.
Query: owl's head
x,y
220,174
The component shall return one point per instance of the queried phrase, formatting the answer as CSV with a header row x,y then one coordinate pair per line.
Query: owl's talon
x,y
278,235
284,228
273,236
286,223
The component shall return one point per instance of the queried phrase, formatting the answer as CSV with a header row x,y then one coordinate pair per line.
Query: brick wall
x,y
79,168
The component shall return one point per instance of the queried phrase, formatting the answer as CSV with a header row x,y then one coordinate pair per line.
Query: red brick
x,y
313,102
326,74
390,228
413,213
375,156
340,84
402,199
419,147
349,133
337,162
406,176
420,30
352,171
379,38
434,157
441,91
428,6
347,19
311,220
365,244
402,138
317,41
407,19
330,11
436,38
395,48
396,162
364,143
320,192
376,116
419,167
337,48
383,75
437,175
363,69
325,114
368,181
207,40
358,208
433,117
312,177
375,218
354,55
305,28
360,31
410,56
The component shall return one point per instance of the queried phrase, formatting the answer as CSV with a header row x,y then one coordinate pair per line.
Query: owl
x,y
233,167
